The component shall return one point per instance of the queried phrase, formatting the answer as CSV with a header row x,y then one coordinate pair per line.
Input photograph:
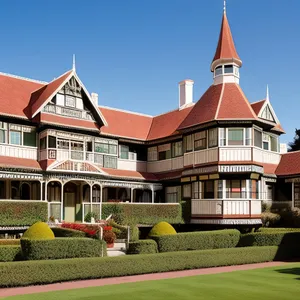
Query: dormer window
x,y
218,70
228,69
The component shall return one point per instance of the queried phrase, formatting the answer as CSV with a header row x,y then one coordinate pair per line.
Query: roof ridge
x,y
220,100
247,102
176,109
291,152
23,78
124,110
258,101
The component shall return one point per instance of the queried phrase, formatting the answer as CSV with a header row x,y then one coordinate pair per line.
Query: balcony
x,y
18,151
165,165
201,157
264,156
68,112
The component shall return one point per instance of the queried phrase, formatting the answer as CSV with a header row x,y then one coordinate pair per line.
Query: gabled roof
x,y
15,93
166,124
256,106
289,164
125,124
220,102
226,48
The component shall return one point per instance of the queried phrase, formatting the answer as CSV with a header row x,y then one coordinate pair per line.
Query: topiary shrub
x,y
10,253
67,232
162,228
39,231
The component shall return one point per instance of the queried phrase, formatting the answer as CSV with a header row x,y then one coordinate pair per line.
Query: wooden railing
x,y
18,151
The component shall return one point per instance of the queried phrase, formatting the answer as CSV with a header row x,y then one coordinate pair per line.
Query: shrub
x,y
134,233
162,228
10,253
277,229
9,242
270,219
186,210
23,213
91,214
39,231
290,217
122,231
271,238
142,247
147,214
109,237
67,232
43,272
62,248
198,240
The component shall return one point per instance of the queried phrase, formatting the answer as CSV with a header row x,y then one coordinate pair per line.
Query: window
x,y
208,189
106,148
248,139
29,138
177,149
124,152
15,137
220,189
171,194
200,140
195,190
164,151
43,143
60,99
3,132
235,189
228,69
187,191
222,136
274,143
89,146
63,144
266,142
77,146
70,101
110,162
218,71
152,154
235,136
213,137
257,138
188,143
253,189
51,141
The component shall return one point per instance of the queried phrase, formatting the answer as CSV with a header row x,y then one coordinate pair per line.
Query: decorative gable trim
x,y
267,105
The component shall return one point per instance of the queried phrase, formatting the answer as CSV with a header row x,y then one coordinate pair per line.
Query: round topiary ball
x,y
162,228
39,231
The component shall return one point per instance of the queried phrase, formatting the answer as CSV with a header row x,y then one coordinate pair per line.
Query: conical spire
x,y
225,51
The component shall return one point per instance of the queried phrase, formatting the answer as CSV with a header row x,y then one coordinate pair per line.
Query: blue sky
x,y
133,53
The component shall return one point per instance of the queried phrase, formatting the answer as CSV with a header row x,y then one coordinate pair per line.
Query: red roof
x,y
125,124
225,48
289,164
166,124
22,163
15,94
257,106
269,168
40,96
129,174
222,101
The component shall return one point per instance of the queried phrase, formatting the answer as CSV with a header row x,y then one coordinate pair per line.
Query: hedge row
x,y
67,232
198,240
59,248
142,247
142,213
22,213
122,231
271,238
277,229
43,272
10,253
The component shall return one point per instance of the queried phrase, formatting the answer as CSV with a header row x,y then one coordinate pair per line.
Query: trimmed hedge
x,y
122,231
198,240
43,272
271,238
277,229
39,231
146,214
142,247
59,248
10,253
9,242
22,213
67,232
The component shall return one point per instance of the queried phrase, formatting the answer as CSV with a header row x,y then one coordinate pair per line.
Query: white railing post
x,y
100,216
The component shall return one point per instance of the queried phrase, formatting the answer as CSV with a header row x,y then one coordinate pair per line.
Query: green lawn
x,y
271,283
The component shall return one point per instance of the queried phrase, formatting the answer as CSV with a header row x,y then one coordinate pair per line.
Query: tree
x,y
295,145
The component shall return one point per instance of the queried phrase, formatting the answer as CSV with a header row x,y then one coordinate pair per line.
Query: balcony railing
x,y
68,112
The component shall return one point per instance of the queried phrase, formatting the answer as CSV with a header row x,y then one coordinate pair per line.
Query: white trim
x,y
23,78
126,111
220,100
267,103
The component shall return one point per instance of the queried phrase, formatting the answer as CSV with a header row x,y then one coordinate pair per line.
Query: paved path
x,y
117,280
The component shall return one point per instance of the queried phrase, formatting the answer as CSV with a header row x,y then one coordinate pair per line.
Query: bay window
x,y
187,191
22,135
124,152
266,142
235,188
222,132
212,137
102,147
257,138
248,137
274,143
152,153
196,190
15,137
177,149
188,143
200,140
3,132
208,189
110,162
51,141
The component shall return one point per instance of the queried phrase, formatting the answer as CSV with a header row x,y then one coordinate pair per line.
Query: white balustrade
x,y
18,151
264,156
235,154
132,165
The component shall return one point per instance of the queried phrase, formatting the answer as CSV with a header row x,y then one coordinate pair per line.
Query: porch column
x,y
100,215
62,202
152,189
46,199
131,195
41,190
91,197
293,194
224,189
248,193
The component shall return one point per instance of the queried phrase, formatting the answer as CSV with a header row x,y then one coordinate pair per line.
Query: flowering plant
x,y
107,228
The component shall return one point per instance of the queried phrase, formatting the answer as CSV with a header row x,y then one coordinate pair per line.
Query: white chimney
x,y
95,98
283,148
185,93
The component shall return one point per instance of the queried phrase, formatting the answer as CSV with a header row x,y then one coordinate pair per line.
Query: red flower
x,y
107,228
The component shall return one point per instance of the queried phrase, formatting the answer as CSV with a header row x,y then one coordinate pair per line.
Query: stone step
x,y
115,253
118,247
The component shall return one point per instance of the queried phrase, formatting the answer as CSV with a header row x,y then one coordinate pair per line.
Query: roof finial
x,y
74,63
267,96
224,8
